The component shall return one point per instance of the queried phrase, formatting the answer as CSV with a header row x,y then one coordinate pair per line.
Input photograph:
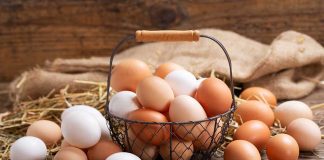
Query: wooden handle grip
x,y
167,35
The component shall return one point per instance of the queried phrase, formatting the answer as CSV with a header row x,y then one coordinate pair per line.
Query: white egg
x,y
92,111
123,103
199,81
80,129
123,156
182,82
291,110
28,148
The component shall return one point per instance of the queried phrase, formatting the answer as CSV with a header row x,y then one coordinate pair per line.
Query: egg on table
x,y
155,93
306,132
291,110
69,153
122,103
254,110
180,149
182,82
260,94
184,109
128,73
46,130
241,150
103,149
28,148
151,133
282,147
214,95
164,69
254,131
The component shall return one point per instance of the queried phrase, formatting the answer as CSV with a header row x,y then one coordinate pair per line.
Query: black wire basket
x,y
205,136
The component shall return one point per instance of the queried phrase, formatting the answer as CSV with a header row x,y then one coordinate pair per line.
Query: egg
x,y
128,73
151,133
254,110
164,69
291,110
80,129
182,82
306,132
122,103
241,150
93,112
261,94
205,138
155,93
69,153
184,109
145,151
28,148
199,81
254,131
180,150
282,147
122,156
214,95
103,149
47,131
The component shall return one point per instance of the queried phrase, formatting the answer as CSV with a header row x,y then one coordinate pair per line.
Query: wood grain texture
x,y
32,31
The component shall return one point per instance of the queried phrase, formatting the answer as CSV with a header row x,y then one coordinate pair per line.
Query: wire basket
x,y
198,139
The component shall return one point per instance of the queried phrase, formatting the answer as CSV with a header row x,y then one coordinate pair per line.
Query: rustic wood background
x,y
32,31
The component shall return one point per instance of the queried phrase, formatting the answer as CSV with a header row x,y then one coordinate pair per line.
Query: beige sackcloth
x,y
291,66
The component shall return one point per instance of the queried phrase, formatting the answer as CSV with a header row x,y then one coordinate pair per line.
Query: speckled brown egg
x,y
260,94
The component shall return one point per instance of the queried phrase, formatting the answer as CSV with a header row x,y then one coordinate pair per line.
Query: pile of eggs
x,y
256,115
170,94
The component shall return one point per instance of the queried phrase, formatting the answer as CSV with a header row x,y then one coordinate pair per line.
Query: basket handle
x,y
166,35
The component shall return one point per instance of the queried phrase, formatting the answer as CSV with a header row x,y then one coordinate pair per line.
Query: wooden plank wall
x,y
32,31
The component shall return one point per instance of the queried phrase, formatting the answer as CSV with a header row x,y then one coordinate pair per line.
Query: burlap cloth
x,y
291,66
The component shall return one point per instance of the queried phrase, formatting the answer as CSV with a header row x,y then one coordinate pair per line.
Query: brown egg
x,y
47,131
165,68
254,110
152,133
241,150
127,74
214,95
184,109
69,153
155,93
255,132
204,139
261,94
282,147
103,149
180,150
145,151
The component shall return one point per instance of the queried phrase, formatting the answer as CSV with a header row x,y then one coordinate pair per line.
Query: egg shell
x,y
46,130
291,110
241,150
306,132
28,148
103,149
182,82
144,150
122,103
214,95
128,73
151,133
254,131
260,94
164,69
80,129
122,156
205,138
180,150
254,110
93,112
184,109
69,153
155,93
282,147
